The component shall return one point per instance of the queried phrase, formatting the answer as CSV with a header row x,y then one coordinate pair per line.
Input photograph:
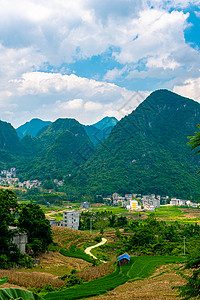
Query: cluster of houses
x,y
58,182
180,202
136,201
140,202
8,178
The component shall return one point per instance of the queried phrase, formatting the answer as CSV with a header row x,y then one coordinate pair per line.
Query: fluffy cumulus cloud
x,y
68,96
190,88
142,39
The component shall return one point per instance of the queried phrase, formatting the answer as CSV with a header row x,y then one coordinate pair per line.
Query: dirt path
x,y
87,250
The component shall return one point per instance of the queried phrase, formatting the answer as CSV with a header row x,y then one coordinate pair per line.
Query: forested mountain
x,y
9,145
32,127
8,137
101,130
105,123
97,132
146,151
58,151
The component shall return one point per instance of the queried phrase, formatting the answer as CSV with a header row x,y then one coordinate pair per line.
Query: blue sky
x,y
87,59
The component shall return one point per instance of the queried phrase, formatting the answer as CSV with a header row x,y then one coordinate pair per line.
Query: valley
x,y
132,183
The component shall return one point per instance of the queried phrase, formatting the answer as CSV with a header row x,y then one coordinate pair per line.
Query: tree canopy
x,y
27,218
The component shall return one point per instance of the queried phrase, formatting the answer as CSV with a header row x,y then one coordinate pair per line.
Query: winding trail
x,y
87,250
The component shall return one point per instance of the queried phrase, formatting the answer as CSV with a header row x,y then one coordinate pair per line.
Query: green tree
x,y
195,140
32,220
191,290
9,208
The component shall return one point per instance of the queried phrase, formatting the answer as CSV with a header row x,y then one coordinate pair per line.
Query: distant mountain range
x,y
97,132
145,152
32,127
48,150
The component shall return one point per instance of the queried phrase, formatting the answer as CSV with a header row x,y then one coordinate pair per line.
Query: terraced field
x,y
139,268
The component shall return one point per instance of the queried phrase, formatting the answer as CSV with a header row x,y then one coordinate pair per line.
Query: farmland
x,y
140,268
66,254
158,286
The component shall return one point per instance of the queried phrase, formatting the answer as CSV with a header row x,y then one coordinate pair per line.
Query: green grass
x,y
174,213
143,266
92,288
168,213
139,268
77,253
114,210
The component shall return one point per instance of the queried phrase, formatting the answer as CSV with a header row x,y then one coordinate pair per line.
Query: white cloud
x,y
111,75
69,105
64,31
190,88
92,106
36,34
169,4
66,96
156,33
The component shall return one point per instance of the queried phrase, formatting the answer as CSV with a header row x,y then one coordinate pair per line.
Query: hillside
x,y
9,145
58,151
101,130
32,127
106,122
8,137
146,151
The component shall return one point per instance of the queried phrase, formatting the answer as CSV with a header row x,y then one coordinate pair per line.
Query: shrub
x,y
4,261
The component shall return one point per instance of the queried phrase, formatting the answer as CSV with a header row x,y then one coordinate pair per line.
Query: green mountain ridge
x,y
146,151
32,127
105,123
59,150
97,132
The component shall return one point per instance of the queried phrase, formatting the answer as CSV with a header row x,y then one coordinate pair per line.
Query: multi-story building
x,y
133,205
71,219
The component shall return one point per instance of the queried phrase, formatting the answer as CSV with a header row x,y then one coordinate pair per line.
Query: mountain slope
x,y
106,122
146,151
31,127
9,145
101,130
8,137
58,151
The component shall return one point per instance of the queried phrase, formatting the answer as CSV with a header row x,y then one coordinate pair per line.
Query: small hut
x,y
123,259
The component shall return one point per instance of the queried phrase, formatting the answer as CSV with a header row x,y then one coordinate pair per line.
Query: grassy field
x,y
179,214
158,286
114,210
168,213
77,253
139,268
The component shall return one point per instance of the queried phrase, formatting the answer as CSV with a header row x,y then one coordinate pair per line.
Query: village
x,y
131,202
8,178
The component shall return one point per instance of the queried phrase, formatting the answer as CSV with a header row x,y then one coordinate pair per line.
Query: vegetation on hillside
x,y
147,151
28,218
139,268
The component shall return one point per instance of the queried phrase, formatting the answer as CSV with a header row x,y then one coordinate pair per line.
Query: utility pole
x,y
90,225
184,245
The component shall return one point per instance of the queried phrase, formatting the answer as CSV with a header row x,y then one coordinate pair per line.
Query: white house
x,y
71,219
